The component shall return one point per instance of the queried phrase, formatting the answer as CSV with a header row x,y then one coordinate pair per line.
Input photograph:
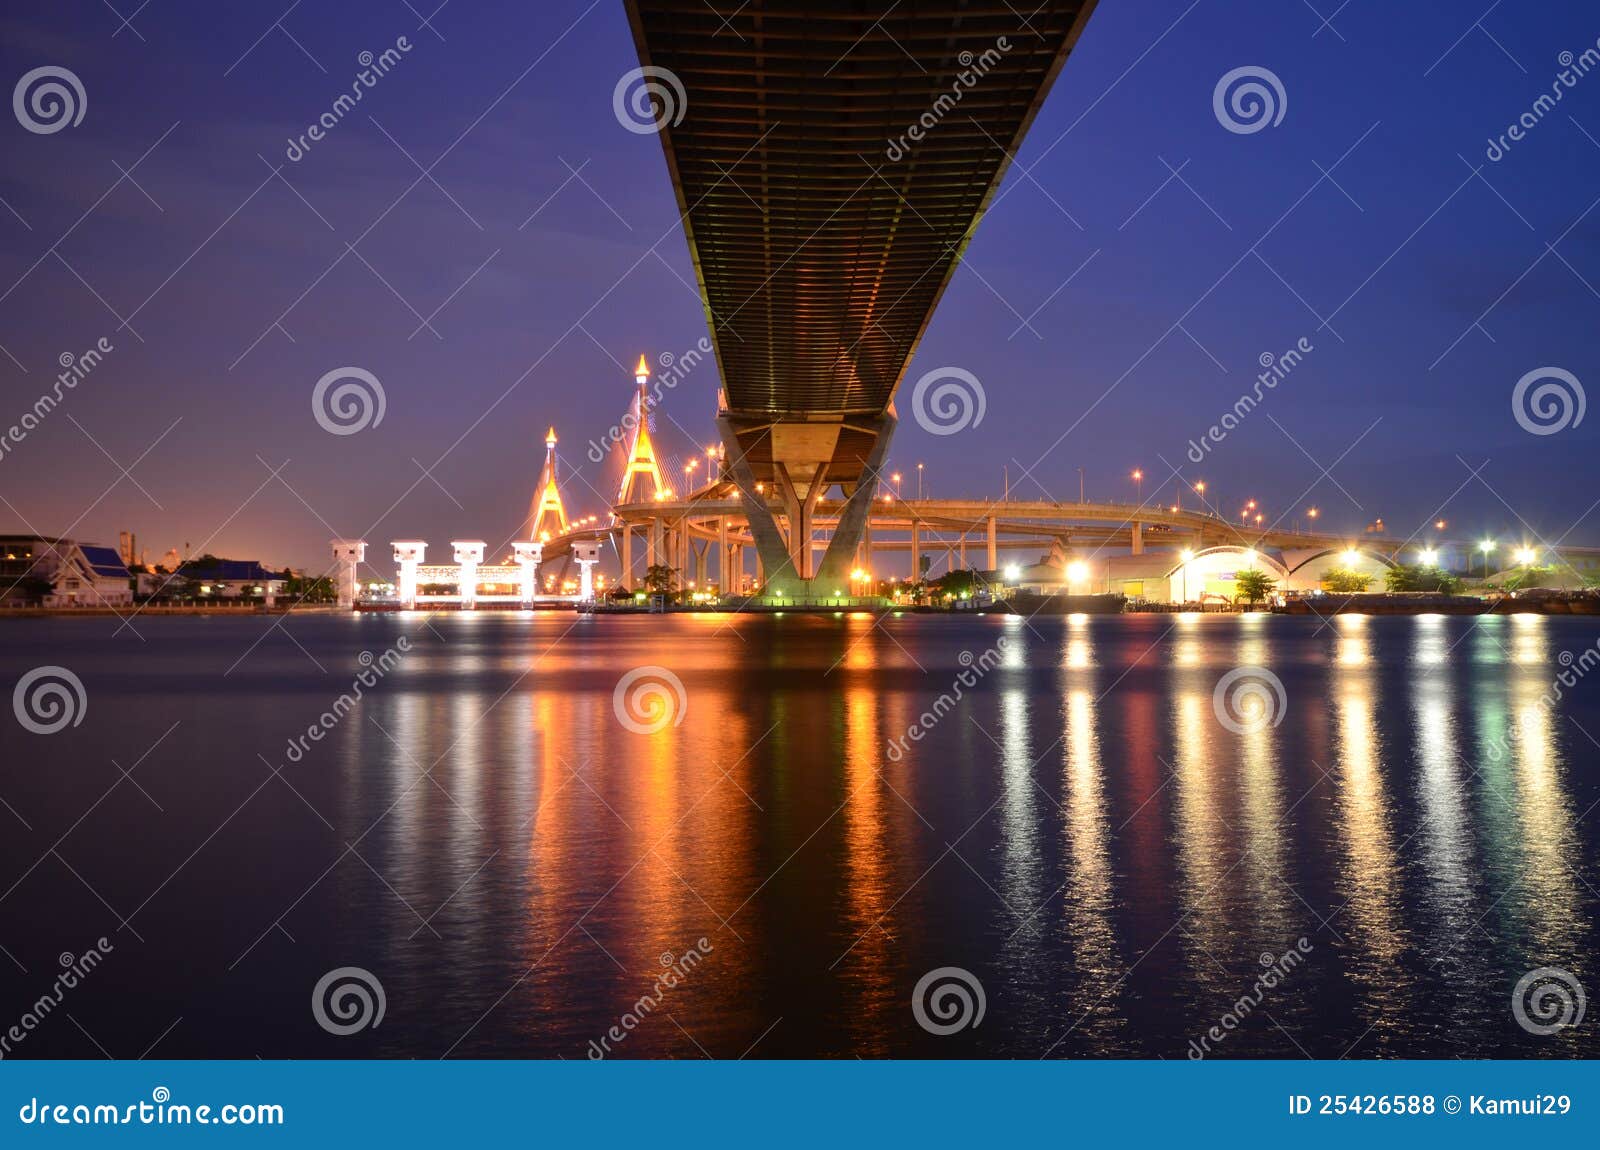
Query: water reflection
x,y
1079,830
1371,918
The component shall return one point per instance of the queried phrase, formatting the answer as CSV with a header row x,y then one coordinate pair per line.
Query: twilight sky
x,y
515,285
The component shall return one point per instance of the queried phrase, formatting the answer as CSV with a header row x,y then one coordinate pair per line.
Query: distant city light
x,y
1013,573
1077,571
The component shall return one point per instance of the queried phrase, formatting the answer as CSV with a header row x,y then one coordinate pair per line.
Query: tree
x,y
1419,578
1342,580
1254,584
317,589
956,583
618,593
660,578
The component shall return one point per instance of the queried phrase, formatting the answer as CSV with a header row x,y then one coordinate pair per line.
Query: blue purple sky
x,y
544,285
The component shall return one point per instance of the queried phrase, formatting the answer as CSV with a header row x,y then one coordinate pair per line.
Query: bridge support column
x,y
653,544
627,557
347,557
722,553
916,550
772,556
994,546
1137,538
857,508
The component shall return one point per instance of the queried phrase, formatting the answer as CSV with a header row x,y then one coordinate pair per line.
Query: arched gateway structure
x,y
831,160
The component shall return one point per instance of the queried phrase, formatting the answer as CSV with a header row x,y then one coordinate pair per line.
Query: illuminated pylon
x,y
641,451
547,515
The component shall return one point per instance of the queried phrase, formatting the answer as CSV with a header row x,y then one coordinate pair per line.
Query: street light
x,y
1429,557
919,481
1486,546
1138,485
1527,556
1077,571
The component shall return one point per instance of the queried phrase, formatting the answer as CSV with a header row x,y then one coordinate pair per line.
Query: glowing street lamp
x,y
1429,557
1077,571
919,481
1486,547
1138,485
1527,556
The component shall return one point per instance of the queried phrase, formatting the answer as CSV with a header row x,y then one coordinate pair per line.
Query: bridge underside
x,y
832,160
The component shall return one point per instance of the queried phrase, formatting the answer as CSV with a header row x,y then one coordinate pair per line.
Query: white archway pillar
x,y
469,553
348,554
529,555
408,553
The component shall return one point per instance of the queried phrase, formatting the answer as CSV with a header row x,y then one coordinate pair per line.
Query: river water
x,y
781,825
